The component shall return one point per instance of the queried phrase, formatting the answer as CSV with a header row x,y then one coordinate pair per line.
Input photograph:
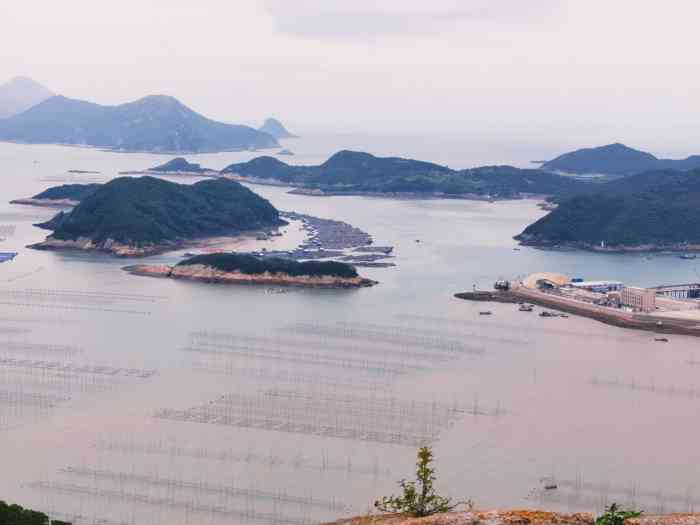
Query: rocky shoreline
x,y
590,247
514,517
208,274
47,203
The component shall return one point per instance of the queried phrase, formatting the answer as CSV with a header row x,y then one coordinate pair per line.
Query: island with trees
x,y
359,173
657,210
234,268
615,160
145,215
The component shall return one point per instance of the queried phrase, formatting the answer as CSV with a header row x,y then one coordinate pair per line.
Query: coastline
x,y
621,319
589,247
150,152
130,250
208,274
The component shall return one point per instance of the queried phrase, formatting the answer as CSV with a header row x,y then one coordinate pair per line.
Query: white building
x,y
598,286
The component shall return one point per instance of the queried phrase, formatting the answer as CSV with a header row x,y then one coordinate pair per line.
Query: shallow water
x,y
514,398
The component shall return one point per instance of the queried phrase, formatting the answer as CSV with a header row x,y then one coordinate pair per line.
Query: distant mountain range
x,y
155,123
616,160
19,94
275,128
652,210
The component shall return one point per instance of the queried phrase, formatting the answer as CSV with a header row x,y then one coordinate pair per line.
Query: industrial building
x,y
598,286
679,291
640,299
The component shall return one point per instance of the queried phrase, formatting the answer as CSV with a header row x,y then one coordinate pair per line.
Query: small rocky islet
x,y
233,268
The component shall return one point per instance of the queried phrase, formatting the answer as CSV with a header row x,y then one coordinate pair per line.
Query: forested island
x,y
176,166
140,216
658,210
232,268
616,160
154,124
352,173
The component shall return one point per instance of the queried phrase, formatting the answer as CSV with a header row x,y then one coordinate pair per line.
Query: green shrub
x,y
616,515
419,498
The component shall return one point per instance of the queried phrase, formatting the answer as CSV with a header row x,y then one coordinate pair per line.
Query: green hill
x,y
359,172
155,123
657,209
75,192
147,210
617,160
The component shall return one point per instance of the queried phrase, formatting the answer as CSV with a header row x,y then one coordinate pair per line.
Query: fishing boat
x,y
7,256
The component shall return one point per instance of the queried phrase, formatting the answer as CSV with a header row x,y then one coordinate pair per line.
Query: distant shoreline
x,y
594,248
130,151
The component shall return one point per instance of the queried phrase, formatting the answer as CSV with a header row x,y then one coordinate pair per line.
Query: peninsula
x,y
665,309
658,210
153,124
232,268
145,215
64,196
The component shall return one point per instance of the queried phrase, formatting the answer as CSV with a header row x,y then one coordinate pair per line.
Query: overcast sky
x,y
592,71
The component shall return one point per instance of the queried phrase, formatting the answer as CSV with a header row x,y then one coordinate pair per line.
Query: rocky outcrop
x,y
109,246
47,203
207,274
512,517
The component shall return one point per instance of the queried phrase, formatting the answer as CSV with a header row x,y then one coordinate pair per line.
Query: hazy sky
x,y
574,71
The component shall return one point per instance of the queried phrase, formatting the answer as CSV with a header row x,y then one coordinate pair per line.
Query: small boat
x,y
525,308
7,256
661,339
550,486
565,316
547,314
485,312
688,256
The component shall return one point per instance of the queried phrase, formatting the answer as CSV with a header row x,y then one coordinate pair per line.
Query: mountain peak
x,y
274,127
156,123
19,94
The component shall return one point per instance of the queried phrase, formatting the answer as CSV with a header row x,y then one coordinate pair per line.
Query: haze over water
x,y
608,410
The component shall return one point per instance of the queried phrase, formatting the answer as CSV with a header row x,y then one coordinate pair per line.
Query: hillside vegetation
x,y
616,160
358,172
660,208
251,265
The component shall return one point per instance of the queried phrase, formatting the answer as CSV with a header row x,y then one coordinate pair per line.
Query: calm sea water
x,y
90,355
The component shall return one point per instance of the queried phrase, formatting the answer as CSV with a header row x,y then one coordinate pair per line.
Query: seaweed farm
x,y
130,401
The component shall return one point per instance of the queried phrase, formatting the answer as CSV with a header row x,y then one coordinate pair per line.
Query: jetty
x,y
663,310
